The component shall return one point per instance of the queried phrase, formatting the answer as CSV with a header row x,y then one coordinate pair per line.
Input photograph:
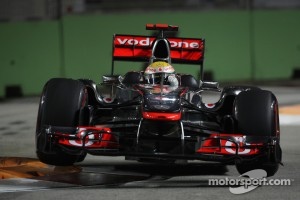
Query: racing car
x,y
157,114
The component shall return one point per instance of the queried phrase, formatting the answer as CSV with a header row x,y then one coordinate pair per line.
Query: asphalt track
x,y
22,176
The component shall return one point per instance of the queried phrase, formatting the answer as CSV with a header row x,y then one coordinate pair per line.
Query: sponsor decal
x,y
131,47
91,137
88,141
108,99
147,41
232,150
228,144
209,105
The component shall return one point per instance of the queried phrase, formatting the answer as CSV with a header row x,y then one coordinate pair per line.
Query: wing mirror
x,y
209,85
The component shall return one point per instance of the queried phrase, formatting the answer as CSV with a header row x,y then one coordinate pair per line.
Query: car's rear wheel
x,y
60,105
256,114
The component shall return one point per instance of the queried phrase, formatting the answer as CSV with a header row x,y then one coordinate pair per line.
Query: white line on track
x,y
285,119
25,185
19,185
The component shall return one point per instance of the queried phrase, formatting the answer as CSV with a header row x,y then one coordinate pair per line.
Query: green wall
x,y
277,43
29,55
239,45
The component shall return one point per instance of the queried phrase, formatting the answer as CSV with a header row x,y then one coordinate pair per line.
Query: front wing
x,y
219,147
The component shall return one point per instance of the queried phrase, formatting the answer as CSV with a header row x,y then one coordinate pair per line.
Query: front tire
x,y
60,105
256,114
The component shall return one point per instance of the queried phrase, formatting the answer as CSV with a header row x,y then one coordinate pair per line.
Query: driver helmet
x,y
156,70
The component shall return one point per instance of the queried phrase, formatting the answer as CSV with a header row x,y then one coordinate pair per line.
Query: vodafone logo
x,y
79,142
209,105
126,41
147,41
193,45
232,150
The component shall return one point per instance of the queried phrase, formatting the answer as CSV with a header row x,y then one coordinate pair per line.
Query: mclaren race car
x,y
157,114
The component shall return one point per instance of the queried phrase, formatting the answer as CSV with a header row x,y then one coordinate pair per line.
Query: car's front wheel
x,y
60,105
256,114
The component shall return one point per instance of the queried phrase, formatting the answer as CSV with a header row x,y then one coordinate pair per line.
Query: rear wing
x,y
139,48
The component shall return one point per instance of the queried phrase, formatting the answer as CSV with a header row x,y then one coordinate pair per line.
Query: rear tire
x,y
60,105
256,114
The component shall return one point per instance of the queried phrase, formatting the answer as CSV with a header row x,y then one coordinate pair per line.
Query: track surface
x,y
115,178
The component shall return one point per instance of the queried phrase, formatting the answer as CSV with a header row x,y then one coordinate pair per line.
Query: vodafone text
x,y
147,42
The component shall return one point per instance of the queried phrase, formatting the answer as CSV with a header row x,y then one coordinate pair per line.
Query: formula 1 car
x,y
158,114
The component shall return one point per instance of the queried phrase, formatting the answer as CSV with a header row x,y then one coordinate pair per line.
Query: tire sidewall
x,y
256,113
60,104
